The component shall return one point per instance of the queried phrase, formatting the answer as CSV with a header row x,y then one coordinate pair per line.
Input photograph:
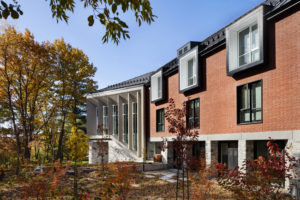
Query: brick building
x,y
242,85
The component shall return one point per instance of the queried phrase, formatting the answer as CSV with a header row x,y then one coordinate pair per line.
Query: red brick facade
x,y
280,86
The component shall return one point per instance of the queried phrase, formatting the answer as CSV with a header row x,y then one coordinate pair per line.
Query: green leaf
x,y
114,8
91,20
123,24
5,13
101,16
110,2
4,4
14,14
20,11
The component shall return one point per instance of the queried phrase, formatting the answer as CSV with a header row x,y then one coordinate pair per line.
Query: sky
x,y
150,46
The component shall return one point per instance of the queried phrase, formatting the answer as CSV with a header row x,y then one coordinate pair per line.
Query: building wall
x,y
280,86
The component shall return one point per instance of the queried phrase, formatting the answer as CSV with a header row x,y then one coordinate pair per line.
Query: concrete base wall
x,y
116,152
94,152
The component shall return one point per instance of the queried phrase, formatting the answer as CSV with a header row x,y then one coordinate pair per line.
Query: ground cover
x,y
145,185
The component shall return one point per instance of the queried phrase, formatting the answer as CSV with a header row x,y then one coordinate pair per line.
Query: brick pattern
x,y
280,83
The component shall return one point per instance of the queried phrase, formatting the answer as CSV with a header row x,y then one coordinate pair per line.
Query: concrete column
x,y
139,117
164,154
129,121
291,151
208,153
90,152
143,131
242,152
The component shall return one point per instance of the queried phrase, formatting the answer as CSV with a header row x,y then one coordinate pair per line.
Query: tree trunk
x,y
177,183
188,186
75,181
60,142
13,117
183,183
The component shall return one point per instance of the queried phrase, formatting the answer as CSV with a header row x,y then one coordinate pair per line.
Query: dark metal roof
x,y
208,44
139,80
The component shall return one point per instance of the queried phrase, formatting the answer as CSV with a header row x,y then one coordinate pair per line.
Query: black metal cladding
x,y
186,48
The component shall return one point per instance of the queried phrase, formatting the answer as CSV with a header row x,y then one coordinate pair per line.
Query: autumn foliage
x,y
260,179
47,184
114,182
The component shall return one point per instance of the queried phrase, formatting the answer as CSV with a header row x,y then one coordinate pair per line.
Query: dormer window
x,y
188,70
156,86
244,42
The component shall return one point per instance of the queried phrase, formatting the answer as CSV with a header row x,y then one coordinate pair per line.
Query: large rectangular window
x,y
153,148
105,119
250,103
261,148
193,114
134,127
191,75
248,45
160,120
228,154
115,119
125,122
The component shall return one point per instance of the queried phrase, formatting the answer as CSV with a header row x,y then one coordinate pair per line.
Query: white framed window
x,y
188,70
134,125
248,45
125,123
156,86
154,148
105,119
244,42
115,119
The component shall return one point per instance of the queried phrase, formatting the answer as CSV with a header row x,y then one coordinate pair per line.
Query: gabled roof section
x,y
139,80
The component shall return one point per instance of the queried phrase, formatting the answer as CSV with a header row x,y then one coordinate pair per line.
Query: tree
x,y
182,143
25,76
73,75
43,89
107,12
78,144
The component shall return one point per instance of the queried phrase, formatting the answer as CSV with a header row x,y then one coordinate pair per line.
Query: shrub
x,y
115,181
44,185
261,179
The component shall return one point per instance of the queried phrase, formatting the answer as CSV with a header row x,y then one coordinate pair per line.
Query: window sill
x,y
247,123
244,67
188,88
194,128
157,100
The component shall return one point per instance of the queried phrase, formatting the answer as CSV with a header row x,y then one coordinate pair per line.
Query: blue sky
x,y
149,48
